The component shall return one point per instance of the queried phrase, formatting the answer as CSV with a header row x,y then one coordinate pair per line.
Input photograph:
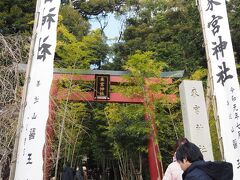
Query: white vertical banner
x,y
225,81
29,164
195,118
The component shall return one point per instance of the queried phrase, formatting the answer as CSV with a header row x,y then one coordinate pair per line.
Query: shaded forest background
x,y
162,35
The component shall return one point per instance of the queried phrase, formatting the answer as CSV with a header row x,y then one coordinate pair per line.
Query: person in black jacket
x,y
67,173
78,175
190,158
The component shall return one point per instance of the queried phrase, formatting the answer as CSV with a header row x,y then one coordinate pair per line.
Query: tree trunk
x,y
1,167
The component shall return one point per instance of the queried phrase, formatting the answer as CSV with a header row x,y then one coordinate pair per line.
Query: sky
x,y
112,29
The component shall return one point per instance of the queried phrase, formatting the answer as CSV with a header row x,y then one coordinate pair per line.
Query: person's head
x,y
179,142
67,163
188,153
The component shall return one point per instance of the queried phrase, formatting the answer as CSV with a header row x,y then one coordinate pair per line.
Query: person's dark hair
x,y
188,151
67,164
179,142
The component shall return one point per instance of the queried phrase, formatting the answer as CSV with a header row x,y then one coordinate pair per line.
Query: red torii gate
x,y
155,165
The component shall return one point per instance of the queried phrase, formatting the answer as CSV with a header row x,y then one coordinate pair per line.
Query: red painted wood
x,y
114,97
73,77
50,131
91,77
155,166
113,79
89,97
154,161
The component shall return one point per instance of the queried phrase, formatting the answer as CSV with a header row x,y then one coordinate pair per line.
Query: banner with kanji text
x,y
29,165
222,68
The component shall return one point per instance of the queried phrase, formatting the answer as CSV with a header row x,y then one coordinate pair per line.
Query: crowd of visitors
x,y
80,173
188,164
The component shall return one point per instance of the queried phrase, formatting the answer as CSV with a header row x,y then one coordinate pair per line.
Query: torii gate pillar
x,y
154,160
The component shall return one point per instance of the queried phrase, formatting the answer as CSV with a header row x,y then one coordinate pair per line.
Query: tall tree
x,y
233,8
73,53
16,16
74,22
171,29
142,65
128,133
102,7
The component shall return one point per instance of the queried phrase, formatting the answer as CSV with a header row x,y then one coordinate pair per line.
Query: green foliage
x,y
143,68
127,130
64,35
100,142
128,135
16,16
102,7
159,32
199,74
74,129
170,29
141,65
71,53
76,46
170,128
95,143
214,136
233,8
74,22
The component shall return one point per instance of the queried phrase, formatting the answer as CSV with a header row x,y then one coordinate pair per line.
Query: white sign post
x,y
32,133
195,118
222,68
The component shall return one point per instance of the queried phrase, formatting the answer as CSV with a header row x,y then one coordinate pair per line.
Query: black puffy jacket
x,y
201,170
